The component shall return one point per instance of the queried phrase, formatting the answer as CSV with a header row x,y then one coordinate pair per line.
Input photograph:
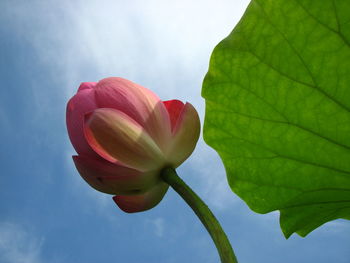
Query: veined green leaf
x,y
278,110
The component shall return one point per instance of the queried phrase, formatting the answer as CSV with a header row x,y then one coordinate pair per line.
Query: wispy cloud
x,y
163,45
157,225
18,245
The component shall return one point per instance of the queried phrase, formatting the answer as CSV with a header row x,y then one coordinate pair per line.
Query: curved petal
x,y
139,103
113,178
185,135
86,85
115,136
174,108
142,202
77,107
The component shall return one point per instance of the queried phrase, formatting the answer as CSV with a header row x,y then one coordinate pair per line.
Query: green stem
x,y
219,237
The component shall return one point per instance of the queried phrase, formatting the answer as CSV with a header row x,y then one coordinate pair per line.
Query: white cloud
x,y
163,45
157,225
18,245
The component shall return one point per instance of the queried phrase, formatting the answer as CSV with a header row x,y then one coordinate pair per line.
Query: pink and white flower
x,y
125,135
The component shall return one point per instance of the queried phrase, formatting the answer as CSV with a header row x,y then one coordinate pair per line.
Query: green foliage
x,y
278,110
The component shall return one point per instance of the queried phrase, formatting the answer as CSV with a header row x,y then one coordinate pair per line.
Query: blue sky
x,y
47,212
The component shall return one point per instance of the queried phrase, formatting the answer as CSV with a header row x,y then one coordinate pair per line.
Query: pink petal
x,y
174,108
142,202
77,107
137,102
113,178
86,85
115,136
185,135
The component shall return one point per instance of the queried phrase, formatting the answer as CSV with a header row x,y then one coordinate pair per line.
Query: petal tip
x,y
141,202
125,206
86,85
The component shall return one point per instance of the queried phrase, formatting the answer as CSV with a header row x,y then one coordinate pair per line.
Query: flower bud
x,y
125,135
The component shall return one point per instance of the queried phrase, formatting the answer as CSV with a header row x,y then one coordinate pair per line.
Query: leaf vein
x,y
338,33
343,172
287,122
315,85
314,203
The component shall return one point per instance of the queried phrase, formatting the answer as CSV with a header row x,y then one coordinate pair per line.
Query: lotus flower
x,y
125,135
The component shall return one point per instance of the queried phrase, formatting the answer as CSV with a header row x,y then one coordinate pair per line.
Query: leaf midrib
x,y
343,172
315,86
287,122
